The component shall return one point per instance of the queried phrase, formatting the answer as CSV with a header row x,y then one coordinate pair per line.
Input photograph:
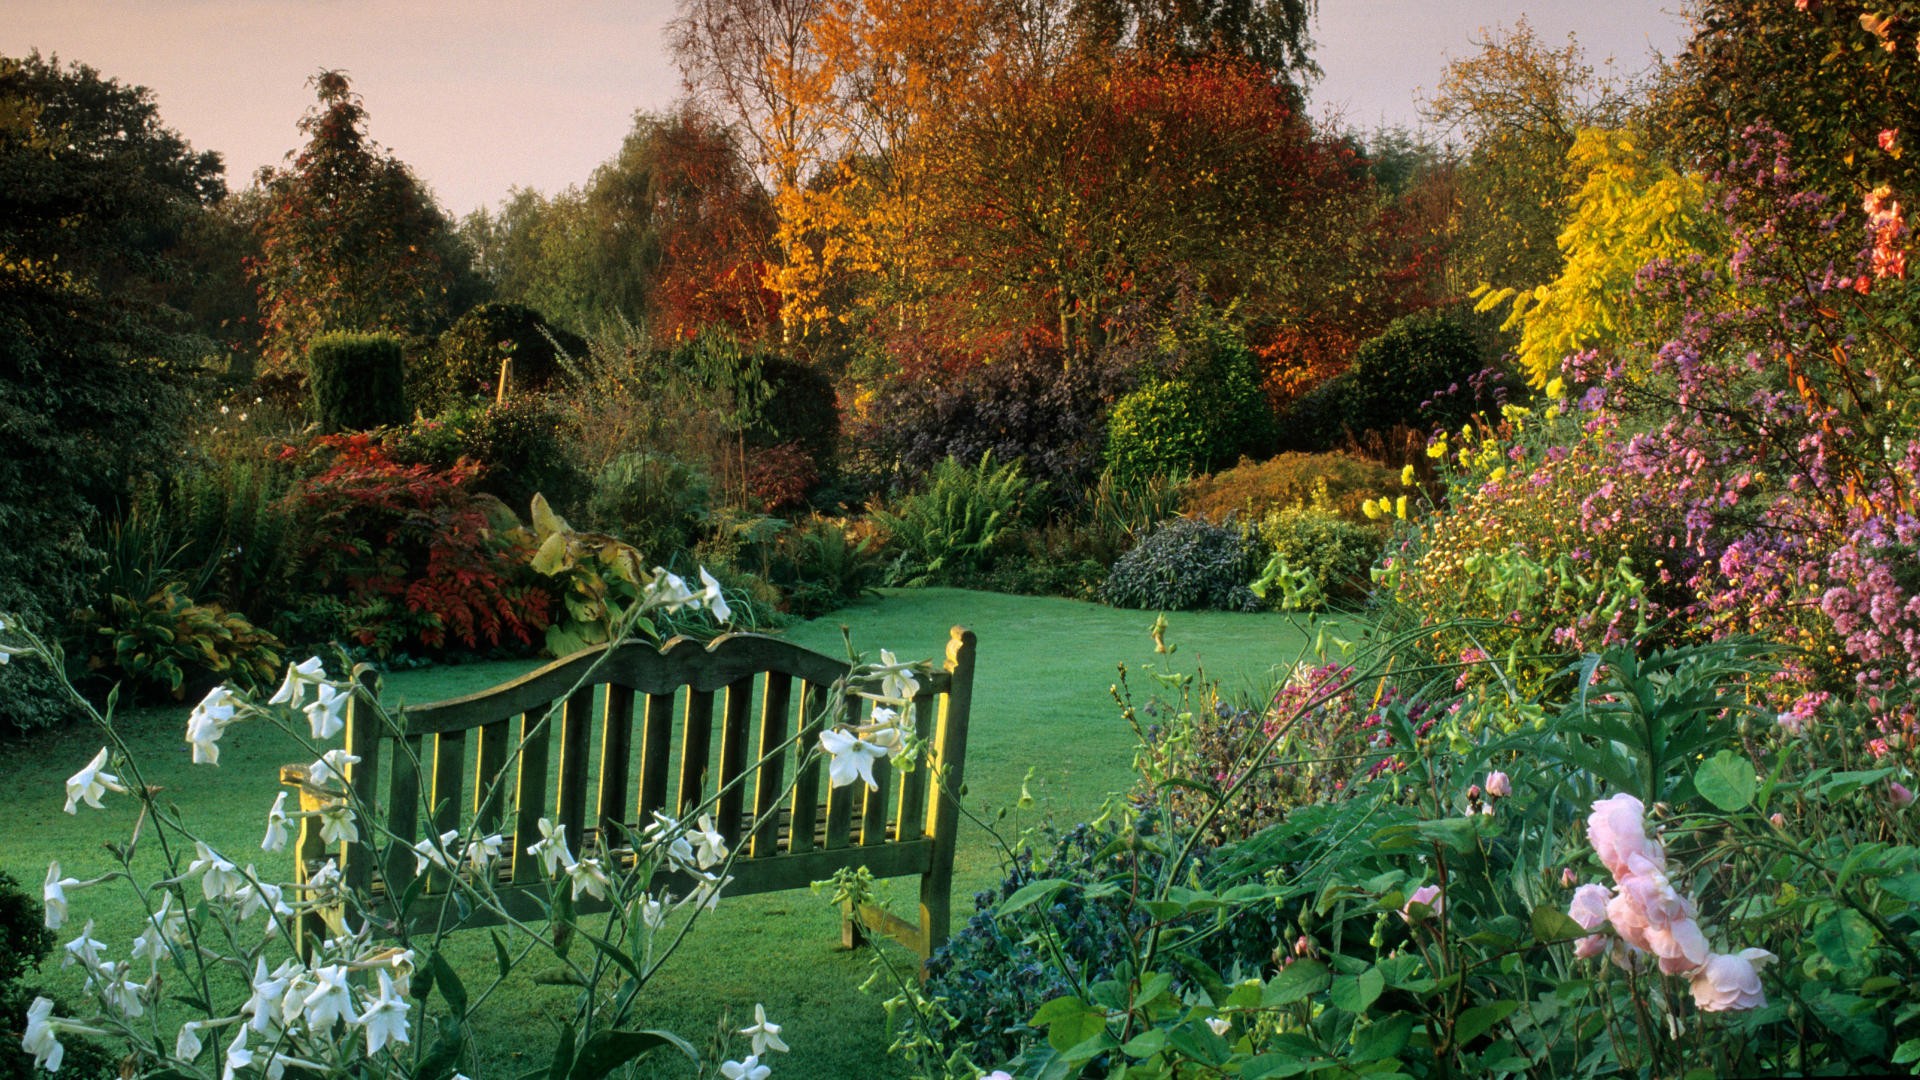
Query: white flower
x,y
331,766
90,783
385,1019
276,838
886,731
764,1033
264,1005
706,894
208,722
482,852
432,851
1220,1025
896,679
666,833
551,848
54,895
750,1069
853,758
326,714
163,926
589,878
295,686
712,598
119,992
709,847
84,950
336,824
329,999
220,878
187,1046
653,913
41,1040
238,1056
667,591
257,896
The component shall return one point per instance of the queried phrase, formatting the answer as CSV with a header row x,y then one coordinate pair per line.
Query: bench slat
x,y
403,815
616,757
911,821
656,750
534,734
363,735
491,784
696,746
449,759
775,700
736,718
806,785
576,737
840,800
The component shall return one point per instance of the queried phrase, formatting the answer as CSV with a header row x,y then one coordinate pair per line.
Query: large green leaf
x,y
1726,780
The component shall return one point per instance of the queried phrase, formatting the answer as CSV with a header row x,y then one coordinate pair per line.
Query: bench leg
x,y
850,935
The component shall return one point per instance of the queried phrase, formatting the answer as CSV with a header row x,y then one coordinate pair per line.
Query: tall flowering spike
x,y
87,785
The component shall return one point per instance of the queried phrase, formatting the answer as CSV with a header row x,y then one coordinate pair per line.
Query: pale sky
x,y
480,96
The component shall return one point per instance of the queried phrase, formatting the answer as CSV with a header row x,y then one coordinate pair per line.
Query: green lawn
x,y
1042,702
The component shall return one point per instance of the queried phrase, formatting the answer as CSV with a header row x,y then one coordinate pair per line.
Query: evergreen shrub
x,y
1187,564
356,382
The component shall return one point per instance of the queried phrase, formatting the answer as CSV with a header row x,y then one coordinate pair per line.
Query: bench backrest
x,y
661,729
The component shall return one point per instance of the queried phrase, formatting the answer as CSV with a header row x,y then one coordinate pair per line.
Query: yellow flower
x,y
1400,508
1406,476
1499,474
1437,448
1557,388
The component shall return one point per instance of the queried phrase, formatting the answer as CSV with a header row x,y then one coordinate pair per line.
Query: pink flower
x,y
1428,895
1778,820
1899,793
1617,829
1726,982
1890,140
1652,916
1498,785
1568,877
1589,909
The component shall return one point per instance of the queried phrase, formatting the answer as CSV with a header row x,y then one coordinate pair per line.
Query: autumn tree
x,y
1065,200
350,239
1273,34
1518,104
760,63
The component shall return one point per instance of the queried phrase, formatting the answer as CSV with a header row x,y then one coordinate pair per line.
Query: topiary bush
x,y
1187,564
356,382
463,363
1209,414
655,502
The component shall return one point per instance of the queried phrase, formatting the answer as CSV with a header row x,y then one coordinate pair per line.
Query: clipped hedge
x,y
356,382
1188,564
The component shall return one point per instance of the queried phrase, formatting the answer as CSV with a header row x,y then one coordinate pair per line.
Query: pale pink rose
x,y
1652,916
1589,907
1726,982
1498,785
1899,793
1428,895
1617,828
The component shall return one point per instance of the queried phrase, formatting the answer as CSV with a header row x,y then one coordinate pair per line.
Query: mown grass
x,y
1042,704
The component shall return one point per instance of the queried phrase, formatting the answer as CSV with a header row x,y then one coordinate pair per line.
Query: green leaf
x,y
1844,938
1069,1022
1034,892
500,957
1354,993
1456,833
449,983
1726,780
1376,1042
1480,1019
608,1050
1300,979
1907,1052
562,1065
1551,924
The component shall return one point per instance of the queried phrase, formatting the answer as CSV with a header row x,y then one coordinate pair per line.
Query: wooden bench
x,y
642,735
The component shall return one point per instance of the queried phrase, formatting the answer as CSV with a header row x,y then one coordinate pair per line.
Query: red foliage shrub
x,y
417,536
781,476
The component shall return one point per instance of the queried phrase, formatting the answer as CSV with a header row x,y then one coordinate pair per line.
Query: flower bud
x,y
1779,820
1568,877
1899,793
1498,785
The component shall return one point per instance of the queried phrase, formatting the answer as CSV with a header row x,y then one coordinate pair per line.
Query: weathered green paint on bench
x,y
453,766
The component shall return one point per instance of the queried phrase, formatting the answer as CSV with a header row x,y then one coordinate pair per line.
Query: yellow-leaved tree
x,y
1630,210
